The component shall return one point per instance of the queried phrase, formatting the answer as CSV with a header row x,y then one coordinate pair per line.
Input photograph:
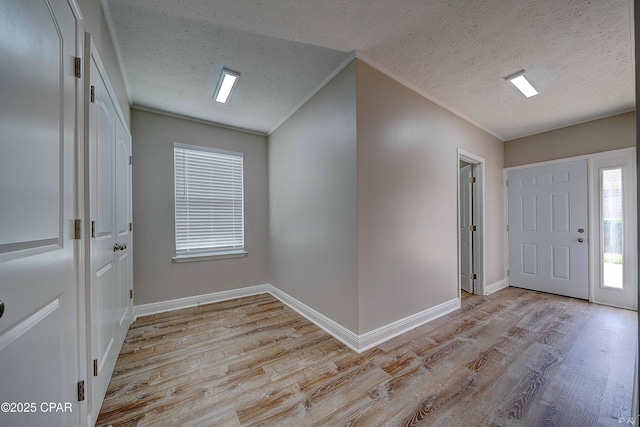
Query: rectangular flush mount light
x,y
520,81
226,84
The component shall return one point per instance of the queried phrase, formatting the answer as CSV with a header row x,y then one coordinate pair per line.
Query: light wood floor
x,y
516,358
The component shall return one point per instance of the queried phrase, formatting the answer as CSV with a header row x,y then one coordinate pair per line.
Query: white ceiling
x,y
456,52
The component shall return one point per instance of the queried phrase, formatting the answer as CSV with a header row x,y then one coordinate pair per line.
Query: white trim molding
x,y
357,343
180,303
333,328
378,336
495,287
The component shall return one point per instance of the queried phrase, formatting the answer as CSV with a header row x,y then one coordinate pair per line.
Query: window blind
x,y
209,200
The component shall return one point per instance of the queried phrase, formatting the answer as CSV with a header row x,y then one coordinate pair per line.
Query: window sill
x,y
209,256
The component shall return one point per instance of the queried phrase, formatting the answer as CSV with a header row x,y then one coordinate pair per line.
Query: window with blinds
x,y
209,200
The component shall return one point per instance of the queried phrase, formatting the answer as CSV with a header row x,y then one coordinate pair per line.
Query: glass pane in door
x,y
611,227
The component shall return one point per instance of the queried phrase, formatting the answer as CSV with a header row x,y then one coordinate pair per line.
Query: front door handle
x,y
581,240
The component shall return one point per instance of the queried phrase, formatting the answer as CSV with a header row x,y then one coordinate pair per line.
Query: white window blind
x,y
209,200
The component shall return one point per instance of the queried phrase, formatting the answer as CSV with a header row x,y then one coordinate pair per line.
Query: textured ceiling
x,y
456,52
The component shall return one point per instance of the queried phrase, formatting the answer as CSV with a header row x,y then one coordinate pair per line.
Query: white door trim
x,y
478,206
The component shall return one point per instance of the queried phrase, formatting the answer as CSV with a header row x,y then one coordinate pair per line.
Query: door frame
x,y
478,215
590,204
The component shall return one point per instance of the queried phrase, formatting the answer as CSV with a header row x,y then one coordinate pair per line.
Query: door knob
x,y
117,247
580,230
581,240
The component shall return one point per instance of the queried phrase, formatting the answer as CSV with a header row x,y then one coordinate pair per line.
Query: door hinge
x,y
130,226
507,227
507,272
78,67
93,94
506,183
473,228
474,276
93,229
95,367
80,391
77,229
130,160
130,293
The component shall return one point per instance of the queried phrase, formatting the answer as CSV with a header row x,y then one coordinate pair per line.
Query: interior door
x,y
466,220
39,257
109,195
123,228
102,214
548,228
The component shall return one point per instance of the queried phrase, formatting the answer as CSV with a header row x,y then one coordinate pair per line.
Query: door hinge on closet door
x,y
80,391
78,67
130,160
77,229
95,367
93,94
93,229
130,293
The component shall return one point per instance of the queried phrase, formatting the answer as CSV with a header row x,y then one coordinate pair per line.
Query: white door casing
x,y
466,235
108,190
39,258
547,217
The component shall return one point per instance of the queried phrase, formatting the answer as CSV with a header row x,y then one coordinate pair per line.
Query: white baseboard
x,y
358,343
339,332
384,333
495,287
177,304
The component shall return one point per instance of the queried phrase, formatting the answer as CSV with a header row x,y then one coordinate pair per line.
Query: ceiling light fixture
x,y
520,81
227,82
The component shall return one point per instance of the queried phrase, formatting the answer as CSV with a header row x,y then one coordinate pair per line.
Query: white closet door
x,y
38,191
109,210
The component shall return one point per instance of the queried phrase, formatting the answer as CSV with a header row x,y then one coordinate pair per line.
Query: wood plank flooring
x,y
516,358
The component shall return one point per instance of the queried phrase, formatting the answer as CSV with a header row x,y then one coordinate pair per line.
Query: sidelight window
x,y
611,241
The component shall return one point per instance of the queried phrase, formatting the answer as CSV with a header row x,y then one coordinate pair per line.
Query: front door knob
x,y
581,240
580,230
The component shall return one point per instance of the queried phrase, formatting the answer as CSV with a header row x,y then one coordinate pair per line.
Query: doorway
x,y
470,223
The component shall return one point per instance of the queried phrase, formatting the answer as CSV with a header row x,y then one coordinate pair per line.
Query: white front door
x,y
466,221
39,258
548,228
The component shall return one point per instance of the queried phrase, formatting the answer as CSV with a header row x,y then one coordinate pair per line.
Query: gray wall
x,y
156,277
606,134
95,23
312,201
407,200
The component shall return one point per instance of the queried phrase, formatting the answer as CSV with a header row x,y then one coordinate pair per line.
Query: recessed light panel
x,y
520,81
226,84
